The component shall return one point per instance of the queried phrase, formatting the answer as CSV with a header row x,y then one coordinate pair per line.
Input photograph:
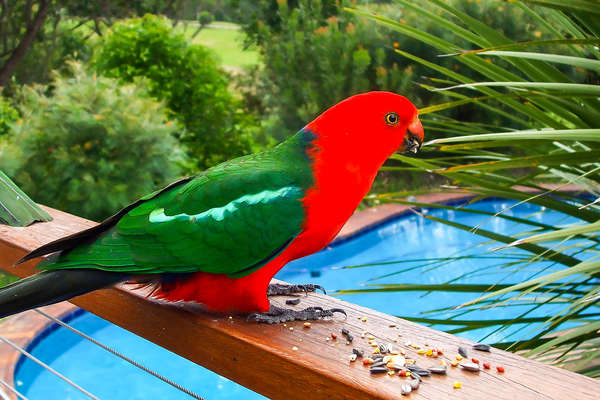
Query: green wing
x,y
230,220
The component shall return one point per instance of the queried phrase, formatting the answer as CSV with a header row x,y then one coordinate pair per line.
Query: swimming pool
x,y
408,237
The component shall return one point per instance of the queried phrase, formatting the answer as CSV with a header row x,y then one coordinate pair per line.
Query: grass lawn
x,y
226,40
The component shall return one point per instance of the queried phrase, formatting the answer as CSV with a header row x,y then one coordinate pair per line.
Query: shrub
x,y
311,63
8,115
92,147
205,18
186,77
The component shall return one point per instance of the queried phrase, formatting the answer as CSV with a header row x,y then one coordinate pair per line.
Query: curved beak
x,y
414,137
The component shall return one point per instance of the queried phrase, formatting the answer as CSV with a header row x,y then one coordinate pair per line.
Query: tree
x,y
204,18
28,24
186,77
16,41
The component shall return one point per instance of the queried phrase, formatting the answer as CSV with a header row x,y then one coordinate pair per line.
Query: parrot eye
x,y
391,118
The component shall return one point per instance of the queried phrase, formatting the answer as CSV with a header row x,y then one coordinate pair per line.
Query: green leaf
x,y
563,134
16,208
578,61
560,234
581,268
573,89
532,43
569,5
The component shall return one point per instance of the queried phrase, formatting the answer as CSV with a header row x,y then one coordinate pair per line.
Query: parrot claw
x,y
278,289
277,315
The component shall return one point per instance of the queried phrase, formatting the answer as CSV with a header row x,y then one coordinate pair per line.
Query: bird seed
x,y
481,347
469,366
405,389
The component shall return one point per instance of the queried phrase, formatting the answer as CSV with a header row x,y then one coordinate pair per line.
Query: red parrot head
x,y
375,123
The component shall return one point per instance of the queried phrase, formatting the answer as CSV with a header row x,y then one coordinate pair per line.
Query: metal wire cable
x,y
12,389
123,357
41,363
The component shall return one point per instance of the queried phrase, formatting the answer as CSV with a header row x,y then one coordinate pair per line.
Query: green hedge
x,y
214,128
92,147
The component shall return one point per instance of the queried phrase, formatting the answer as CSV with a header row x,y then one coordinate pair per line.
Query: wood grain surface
x,y
291,361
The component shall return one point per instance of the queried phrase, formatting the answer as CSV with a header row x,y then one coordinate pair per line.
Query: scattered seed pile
x,y
392,359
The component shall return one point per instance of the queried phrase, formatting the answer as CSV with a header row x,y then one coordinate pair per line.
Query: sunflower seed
x,y
416,376
405,389
469,366
359,353
398,361
292,302
353,357
418,370
438,370
414,384
378,369
345,331
463,352
481,347
383,348
378,364
349,338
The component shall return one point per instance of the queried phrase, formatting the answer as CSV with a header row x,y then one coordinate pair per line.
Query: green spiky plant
x,y
547,88
16,208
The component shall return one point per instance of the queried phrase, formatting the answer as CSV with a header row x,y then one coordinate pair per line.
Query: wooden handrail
x,y
299,364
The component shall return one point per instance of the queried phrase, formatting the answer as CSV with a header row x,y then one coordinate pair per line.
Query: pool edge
x,y
26,330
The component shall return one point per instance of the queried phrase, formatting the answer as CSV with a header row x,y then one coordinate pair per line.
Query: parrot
x,y
217,239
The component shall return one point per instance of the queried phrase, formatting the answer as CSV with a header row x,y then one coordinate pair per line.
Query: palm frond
x,y
547,91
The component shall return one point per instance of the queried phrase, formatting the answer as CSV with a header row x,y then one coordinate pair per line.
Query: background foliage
x,y
314,55
311,63
92,146
186,77
8,114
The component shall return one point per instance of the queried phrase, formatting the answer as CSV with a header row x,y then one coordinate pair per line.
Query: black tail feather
x,y
49,287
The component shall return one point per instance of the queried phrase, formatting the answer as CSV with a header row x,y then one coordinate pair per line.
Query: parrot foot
x,y
277,315
281,289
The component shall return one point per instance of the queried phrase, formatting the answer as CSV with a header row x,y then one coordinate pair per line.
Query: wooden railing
x,y
300,363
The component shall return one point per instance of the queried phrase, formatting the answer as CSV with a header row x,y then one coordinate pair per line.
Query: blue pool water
x,y
406,238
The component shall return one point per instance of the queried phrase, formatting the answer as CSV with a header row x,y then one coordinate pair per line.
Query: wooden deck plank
x,y
263,358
